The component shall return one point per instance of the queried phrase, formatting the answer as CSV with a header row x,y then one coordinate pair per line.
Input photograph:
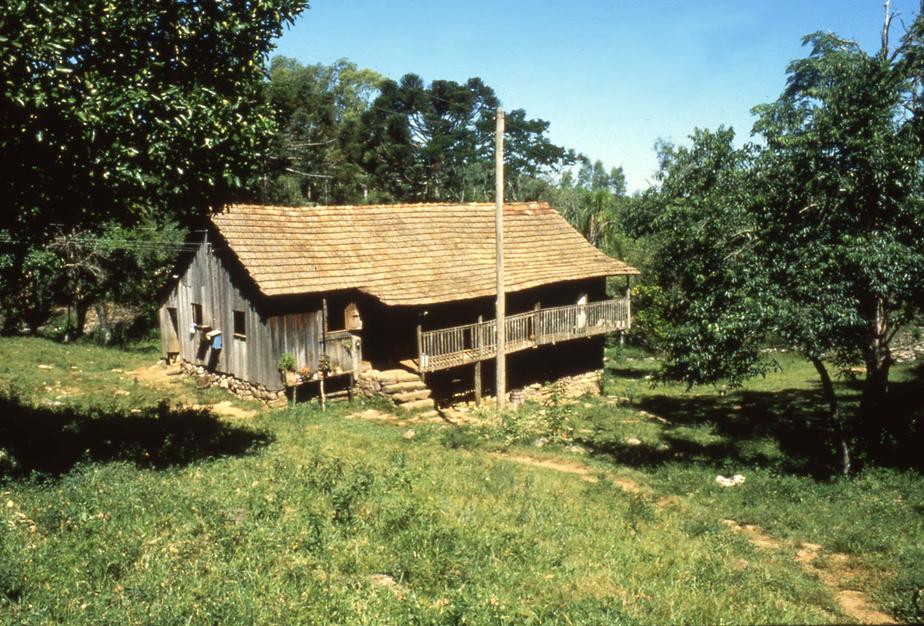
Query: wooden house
x,y
348,288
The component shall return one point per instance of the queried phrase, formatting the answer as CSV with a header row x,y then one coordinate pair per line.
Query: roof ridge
x,y
397,205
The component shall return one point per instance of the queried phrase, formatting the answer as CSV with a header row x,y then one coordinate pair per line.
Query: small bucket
x,y
516,397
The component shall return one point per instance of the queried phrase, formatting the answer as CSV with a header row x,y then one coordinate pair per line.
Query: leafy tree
x,y
815,238
705,308
595,204
318,109
842,177
124,112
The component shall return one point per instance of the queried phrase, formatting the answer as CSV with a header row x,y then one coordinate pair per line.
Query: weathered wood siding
x,y
270,328
208,282
302,335
298,334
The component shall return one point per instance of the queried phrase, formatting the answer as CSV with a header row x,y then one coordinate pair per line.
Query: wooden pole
x,y
500,387
477,345
628,324
628,302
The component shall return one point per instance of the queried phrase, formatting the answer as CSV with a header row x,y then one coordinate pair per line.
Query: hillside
x,y
125,498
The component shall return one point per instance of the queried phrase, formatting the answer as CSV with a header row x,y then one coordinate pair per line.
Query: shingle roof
x,y
409,253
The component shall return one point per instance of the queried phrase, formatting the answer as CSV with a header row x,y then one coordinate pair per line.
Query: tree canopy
x,y
318,111
119,113
813,238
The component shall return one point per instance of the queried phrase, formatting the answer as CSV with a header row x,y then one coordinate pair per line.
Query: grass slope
x,y
149,513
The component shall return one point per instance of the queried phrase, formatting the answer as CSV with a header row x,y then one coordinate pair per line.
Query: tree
x,y
594,205
706,311
436,142
318,109
815,238
842,176
125,112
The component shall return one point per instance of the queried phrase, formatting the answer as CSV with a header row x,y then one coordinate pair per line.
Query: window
x,y
197,314
240,325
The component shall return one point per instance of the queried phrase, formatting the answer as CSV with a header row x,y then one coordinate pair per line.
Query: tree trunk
x,y
81,307
827,387
878,359
105,324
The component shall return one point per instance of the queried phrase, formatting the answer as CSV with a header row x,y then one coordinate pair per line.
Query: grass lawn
x,y
121,504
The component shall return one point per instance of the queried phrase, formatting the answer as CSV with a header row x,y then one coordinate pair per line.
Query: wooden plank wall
x,y
207,281
298,334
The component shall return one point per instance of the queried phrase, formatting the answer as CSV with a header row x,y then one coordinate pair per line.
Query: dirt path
x,y
226,408
852,602
572,467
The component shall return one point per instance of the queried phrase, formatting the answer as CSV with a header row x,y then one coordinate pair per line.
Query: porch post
x,y
477,346
420,363
628,302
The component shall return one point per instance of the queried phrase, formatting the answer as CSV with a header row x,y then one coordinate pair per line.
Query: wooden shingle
x,y
407,254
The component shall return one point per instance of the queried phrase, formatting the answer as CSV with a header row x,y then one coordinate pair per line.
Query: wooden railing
x,y
450,347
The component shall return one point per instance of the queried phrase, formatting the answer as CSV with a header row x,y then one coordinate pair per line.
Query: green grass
x,y
149,513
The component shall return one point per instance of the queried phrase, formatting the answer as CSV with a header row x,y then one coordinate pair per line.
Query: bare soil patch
x,y
389,418
226,408
754,533
157,375
161,376
839,577
572,467
567,467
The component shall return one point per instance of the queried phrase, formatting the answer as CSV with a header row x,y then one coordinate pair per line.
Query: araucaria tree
x,y
436,141
814,238
123,112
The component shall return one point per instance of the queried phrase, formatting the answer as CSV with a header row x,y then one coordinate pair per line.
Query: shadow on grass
x,y
628,372
51,442
786,429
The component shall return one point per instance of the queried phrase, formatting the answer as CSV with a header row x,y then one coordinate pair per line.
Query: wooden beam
x,y
500,388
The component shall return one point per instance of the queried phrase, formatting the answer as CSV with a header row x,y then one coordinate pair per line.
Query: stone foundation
x,y
395,385
375,383
241,388
369,384
566,388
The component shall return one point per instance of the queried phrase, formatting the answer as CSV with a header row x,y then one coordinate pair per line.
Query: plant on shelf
x,y
287,362
324,364
287,367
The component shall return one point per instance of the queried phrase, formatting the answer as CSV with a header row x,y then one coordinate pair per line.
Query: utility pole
x,y
500,388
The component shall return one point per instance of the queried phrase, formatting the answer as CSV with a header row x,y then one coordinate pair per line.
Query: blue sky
x,y
611,76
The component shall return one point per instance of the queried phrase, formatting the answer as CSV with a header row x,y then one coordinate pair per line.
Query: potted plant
x,y
324,365
287,367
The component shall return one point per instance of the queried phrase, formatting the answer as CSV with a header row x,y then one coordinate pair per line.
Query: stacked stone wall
x,y
241,388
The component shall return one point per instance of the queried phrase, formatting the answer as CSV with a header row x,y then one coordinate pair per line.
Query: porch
x,y
451,347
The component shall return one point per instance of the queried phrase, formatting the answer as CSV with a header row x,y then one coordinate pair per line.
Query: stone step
x,y
391,377
411,396
430,413
416,405
404,387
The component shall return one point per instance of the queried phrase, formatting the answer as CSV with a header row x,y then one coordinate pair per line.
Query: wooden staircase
x,y
406,389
